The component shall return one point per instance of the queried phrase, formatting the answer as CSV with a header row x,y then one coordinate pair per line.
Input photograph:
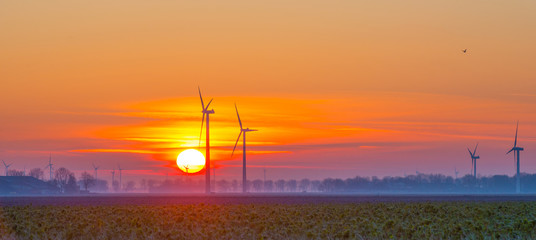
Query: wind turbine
x,y
474,157
49,165
113,177
120,176
242,130
6,166
517,149
96,168
207,142
187,166
456,173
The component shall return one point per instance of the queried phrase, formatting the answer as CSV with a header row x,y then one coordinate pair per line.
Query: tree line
x,y
66,182
418,183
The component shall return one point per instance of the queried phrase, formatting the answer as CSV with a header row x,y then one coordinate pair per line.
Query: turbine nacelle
x,y
208,111
242,130
515,149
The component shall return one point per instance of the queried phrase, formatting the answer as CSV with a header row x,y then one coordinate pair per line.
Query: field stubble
x,y
424,220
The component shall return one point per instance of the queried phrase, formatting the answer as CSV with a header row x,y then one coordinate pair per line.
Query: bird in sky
x,y
464,51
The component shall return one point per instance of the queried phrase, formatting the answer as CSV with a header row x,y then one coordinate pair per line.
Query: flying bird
x,y
464,51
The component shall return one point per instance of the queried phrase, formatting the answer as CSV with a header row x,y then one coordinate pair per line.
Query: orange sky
x,y
337,89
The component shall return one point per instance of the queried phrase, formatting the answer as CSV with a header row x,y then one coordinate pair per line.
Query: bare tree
x,y
130,186
280,185
304,185
292,185
61,176
234,185
87,180
37,173
15,172
143,184
115,186
71,186
257,185
268,186
223,185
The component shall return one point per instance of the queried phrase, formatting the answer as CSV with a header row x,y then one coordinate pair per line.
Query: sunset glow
x,y
191,161
353,88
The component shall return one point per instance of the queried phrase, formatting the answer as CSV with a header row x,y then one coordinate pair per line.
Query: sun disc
x,y
191,161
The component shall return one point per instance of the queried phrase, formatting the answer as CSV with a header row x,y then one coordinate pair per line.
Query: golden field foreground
x,y
398,220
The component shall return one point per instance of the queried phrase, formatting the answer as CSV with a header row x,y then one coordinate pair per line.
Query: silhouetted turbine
x,y
242,130
516,150
474,157
207,142
6,166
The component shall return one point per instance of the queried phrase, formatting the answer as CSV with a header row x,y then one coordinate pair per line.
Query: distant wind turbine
x,y
516,150
242,130
207,142
456,173
120,176
96,168
7,167
187,166
49,165
113,177
474,157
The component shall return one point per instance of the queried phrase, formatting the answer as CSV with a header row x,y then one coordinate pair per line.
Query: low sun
x,y
191,161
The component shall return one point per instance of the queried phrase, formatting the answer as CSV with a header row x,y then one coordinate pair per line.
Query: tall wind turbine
x,y
242,130
516,150
95,168
474,157
120,177
207,142
6,166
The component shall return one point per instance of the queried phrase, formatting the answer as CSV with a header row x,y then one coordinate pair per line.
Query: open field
x,y
269,217
166,199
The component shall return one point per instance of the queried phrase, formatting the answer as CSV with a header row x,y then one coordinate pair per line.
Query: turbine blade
x,y
470,153
239,122
510,151
515,141
474,152
202,104
201,134
206,108
236,143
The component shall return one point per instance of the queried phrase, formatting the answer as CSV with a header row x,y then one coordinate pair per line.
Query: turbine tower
x,y
207,142
120,176
6,166
96,168
242,130
516,150
474,157
113,178
49,165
